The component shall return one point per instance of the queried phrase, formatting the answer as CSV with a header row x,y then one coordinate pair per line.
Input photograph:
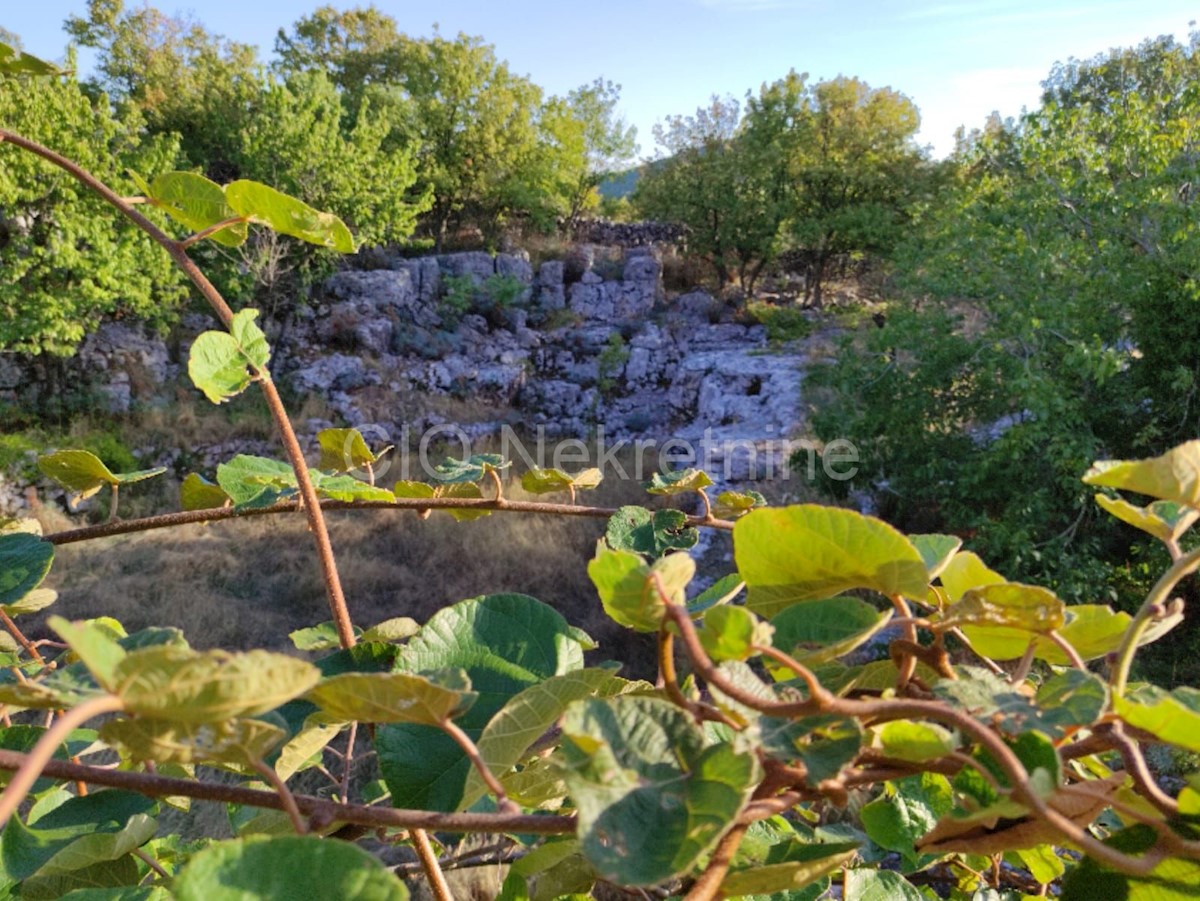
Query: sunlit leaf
x,y
915,742
393,697
906,811
1011,604
198,493
287,215
822,630
731,633
650,533
966,571
936,551
548,481
679,481
17,62
223,364
320,637
863,884
1175,476
344,449
1165,520
397,628
84,473
194,201
472,469
635,594
788,868
234,741
1173,717
347,488
94,646
809,552
256,481
732,504
722,591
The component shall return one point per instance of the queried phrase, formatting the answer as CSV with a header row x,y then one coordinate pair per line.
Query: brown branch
x,y
429,863
472,751
211,230
14,630
319,810
186,517
708,886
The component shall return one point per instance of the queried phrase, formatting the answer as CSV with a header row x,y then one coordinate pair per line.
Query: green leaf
x,y
95,648
824,743
810,552
195,202
348,488
527,716
936,551
652,796
966,571
306,745
1010,605
472,469
452,489
730,633
344,449
397,628
17,62
866,884
986,697
321,637
1072,698
907,809
1173,717
679,481
549,481
915,742
652,534
24,561
787,868
233,741
1043,862
256,481
732,504
1175,476
506,643
77,833
186,686
550,872
78,470
1175,879
290,866
722,591
287,215
198,493
394,697
1165,520
632,593
1093,630
223,364
817,631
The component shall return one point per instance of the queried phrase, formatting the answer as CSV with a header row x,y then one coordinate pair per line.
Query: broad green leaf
x,y
467,490
105,822
906,811
823,743
527,716
636,595
1072,698
472,469
78,470
291,866
986,697
936,551
788,867
1173,717
253,481
538,783
306,745
198,493
1043,863
817,631
549,481
730,633
94,647
1009,605
223,364
1175,879
1165,520
915,742
347,488
344,449
652,796
409,488
869,884
966,571
321,637
810,552
17,62
119,876
186,686
650,533
24,561
506,643
121,893
287,215
398,628
392,698
722,591
234,741
732,504
679,481
1175,476
550,872
194,201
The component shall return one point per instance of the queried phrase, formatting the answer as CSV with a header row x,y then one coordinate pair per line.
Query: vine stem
x,y
472,751
1151,607
178,252
14,630
429,862
285,796
217,514
708,886
34,763
319,810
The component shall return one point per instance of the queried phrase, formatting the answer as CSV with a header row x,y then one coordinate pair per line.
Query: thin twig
x,y
1155,602
429,862
211,230
12,629
708,886
285,796
472,751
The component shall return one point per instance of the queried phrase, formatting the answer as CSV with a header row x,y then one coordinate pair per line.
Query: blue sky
x,y
957,60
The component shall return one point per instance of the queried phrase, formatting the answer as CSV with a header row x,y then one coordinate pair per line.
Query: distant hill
x,y
621,184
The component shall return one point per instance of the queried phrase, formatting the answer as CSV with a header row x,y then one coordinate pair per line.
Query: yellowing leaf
x,y
809,552
966,571
287,215
1175,476
1165,520
237,741
392,698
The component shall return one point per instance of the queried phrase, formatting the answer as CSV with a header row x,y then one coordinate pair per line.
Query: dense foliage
x,y
1053,319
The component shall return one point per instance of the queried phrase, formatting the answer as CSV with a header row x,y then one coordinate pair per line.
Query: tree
x,y
847,171
710,180
609,143
65,266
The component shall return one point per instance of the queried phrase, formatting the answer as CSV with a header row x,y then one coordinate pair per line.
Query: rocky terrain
x,y
472,342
